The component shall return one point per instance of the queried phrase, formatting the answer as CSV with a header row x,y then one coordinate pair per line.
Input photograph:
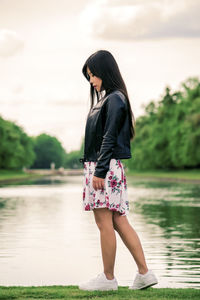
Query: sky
x,y
44,44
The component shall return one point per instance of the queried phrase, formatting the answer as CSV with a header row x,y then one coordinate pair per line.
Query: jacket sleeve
x,y
114,115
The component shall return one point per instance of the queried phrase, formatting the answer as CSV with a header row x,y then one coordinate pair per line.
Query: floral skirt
x,y
113,195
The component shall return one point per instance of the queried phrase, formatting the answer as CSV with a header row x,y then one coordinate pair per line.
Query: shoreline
x,y
162,179
190,176
9,176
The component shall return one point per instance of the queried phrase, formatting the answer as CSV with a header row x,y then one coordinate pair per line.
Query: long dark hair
x,y
103,65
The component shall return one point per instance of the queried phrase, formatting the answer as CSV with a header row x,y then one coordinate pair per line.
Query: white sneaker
x,y
144,281
100,283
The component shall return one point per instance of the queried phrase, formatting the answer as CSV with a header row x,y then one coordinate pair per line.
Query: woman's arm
x,y
114,117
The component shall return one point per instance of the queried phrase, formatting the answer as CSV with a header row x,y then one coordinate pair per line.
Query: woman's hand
x,y
98,183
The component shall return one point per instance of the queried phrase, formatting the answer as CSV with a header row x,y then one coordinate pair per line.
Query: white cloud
x,y
18,94
17,88
10,43
43,88
137,20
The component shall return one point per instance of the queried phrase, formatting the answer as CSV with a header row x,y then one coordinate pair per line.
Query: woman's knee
x,y
103,219
119,221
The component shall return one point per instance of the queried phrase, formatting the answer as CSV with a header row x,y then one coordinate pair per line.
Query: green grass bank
x,y
183,175
72,292
7,176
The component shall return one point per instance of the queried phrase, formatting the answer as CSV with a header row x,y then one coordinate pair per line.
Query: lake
x,y
47,239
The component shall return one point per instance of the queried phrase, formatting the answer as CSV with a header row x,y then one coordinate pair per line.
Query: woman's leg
x,y
104,221
131,240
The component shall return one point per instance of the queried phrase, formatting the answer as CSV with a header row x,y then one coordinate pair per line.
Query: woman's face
x,y
95,81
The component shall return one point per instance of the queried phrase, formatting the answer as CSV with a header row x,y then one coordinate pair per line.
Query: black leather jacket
x,y
107,132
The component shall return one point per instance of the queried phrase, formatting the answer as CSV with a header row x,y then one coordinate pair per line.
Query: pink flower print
x,y
101,203
117,206
113,183
124,180
87,207
110,177
114,209
84,194
111,172
107,204
119,164
98,201
122,176
87,181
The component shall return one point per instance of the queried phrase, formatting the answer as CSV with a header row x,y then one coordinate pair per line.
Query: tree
x,y
168,135
48,149
16,147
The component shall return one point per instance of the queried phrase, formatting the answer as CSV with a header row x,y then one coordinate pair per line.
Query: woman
x,y
109,129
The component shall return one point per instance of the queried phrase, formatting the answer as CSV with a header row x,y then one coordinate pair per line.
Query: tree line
x,y
168,134
167,137
18,150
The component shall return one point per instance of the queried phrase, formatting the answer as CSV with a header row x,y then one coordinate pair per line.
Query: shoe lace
x,y
137,279
95,278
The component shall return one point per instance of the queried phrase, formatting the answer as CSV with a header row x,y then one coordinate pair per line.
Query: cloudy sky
x,y
44,44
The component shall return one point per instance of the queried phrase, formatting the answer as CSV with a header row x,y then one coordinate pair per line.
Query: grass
x,y
72,292
181,175
7,176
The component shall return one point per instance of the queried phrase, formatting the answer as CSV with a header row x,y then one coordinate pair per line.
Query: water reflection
x,y
46,237
174,209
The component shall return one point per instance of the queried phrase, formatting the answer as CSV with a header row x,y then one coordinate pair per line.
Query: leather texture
x,y
107,132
